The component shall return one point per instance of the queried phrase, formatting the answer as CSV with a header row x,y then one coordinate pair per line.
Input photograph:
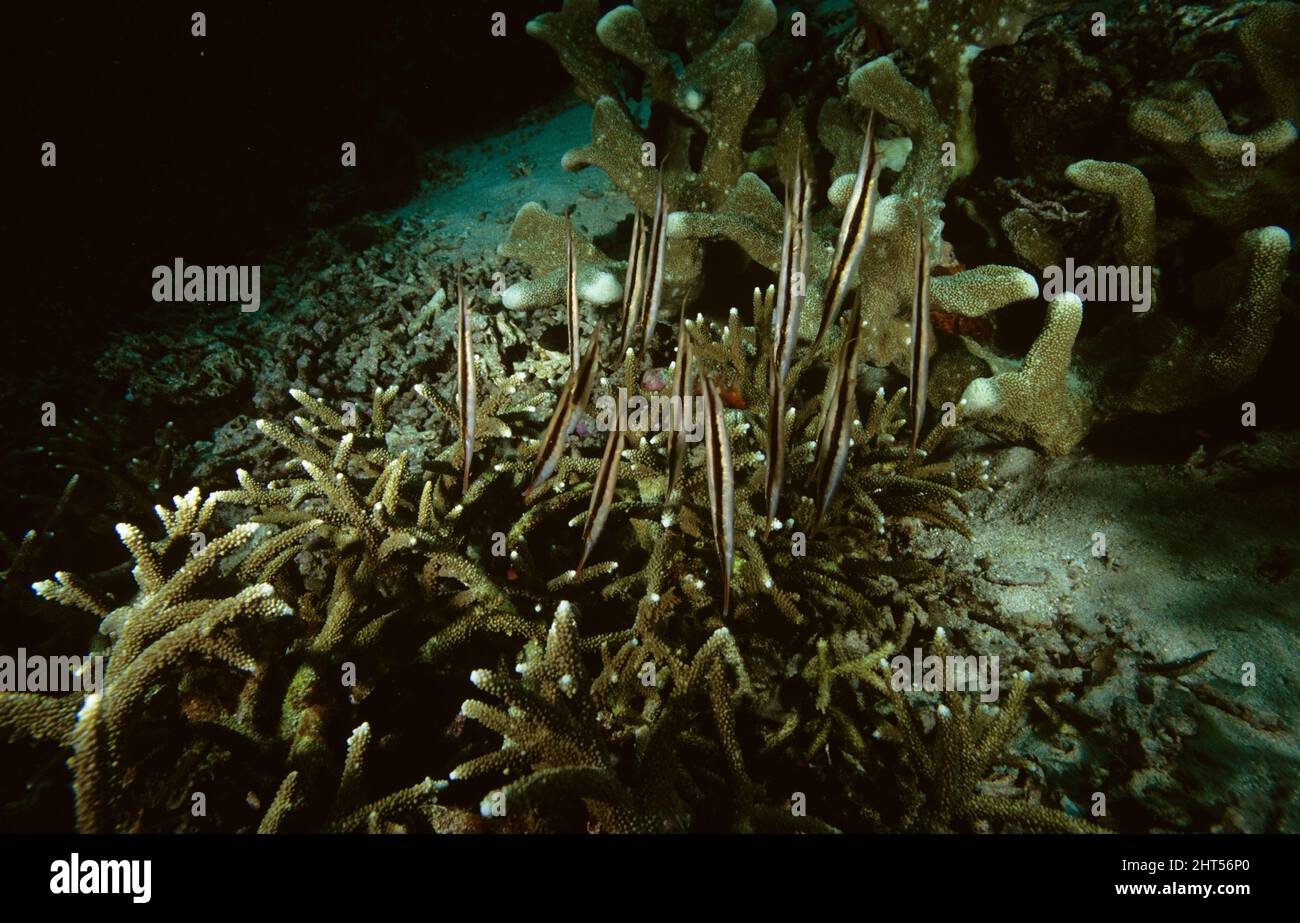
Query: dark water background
x,y
218,150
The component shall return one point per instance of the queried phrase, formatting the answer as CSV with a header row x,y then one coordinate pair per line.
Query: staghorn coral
x,y
167,627
24,556
365,503
122,476
351,813
553,736
364,532
949,769
164,628
350,548
883,481
834,595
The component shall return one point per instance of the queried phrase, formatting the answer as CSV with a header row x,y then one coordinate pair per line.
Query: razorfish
x,y
775,441
722,483
571,297
836,433
855,231
791,286
602,494
634,281
466,389
792,282
920,377
682,389
653,289
577,389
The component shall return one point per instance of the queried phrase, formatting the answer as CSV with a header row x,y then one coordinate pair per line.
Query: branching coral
x,y
1186,365
944,39
1234,174
1268,40
715,93
23,556
1039,401
367,551
352,498
1197,334
966,744
166,628
351,813
751,217
881,481
554,740
924,93
538,239
1153,361
832,591
1133,199
712,96
308,648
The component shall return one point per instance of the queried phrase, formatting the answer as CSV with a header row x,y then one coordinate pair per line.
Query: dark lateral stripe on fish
x,y
721,478
681,388
794,259
920,378
1180,666
571,400
837,421
786,312
602,494
652,292
466,390
632,281
775,443
855,231
571,296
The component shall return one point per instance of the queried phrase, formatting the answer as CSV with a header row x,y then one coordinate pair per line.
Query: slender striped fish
x,y
785,324
634,281
775,442
722,483
681,388
920,378
652,291
571,298
793,280
567,407
855,231
837,416
466,389
602,494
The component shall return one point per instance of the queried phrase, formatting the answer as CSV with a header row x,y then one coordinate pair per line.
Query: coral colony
x,y
665,577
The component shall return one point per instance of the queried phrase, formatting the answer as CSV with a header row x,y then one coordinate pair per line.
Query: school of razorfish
x,y
642,298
